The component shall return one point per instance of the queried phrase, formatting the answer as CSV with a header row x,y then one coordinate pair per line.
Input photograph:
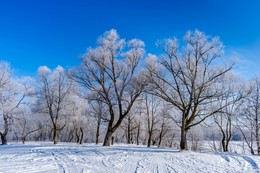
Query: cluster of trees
x,y
120,93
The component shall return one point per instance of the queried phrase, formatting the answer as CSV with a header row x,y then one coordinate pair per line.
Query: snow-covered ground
x,y
73,158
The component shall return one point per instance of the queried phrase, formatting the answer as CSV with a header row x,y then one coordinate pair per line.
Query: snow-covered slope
x,y
73,158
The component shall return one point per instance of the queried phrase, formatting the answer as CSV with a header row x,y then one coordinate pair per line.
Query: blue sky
x,y
57,32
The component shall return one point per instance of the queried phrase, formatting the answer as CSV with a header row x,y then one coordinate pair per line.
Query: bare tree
x,y
164,123
153,106
53,93
195,138
248,121
186,77
26,126
139,112
112,74
12,94
234,93
78,117
99,111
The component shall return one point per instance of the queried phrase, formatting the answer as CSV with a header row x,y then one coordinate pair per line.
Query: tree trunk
x,y
55,135
129,130
228,139
223,143
160,138
252,143
171,142
162,133
23,139
184,131
77,135
258,145
138,135
81,136
97,132
3,138
107,140
149,139
183,143
71,136
6,128
257,137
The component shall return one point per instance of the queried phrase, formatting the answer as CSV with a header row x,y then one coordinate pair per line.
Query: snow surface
x,y
89,158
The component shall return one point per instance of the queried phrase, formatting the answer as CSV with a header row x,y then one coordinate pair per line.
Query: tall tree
x,y
111,71
186,77
54,88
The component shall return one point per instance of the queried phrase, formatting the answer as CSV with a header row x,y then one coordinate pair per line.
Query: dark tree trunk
x,y
258,145
97,132
160,142
81,136
183,143
223,143
77,136
129,130
107,140
251,143
111,129
138,135
3,138
23,139
226,135
6,128
160,137
149,139
257,135
55,135
184,131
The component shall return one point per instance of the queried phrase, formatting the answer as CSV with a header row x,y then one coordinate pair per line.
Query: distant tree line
x,y
119,93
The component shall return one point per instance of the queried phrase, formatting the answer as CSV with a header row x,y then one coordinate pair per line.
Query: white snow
x,y
89,158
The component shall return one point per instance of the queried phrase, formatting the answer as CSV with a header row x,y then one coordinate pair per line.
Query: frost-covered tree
x,y
111,70
234,91
74,115
53,91
186,76
129,126
138,122
99,112
164,124
12,94
248,121
25,124
153,105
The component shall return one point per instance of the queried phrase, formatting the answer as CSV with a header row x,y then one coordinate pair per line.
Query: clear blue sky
x,y
57,32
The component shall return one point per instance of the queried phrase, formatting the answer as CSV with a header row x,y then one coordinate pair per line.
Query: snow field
x,y
72,158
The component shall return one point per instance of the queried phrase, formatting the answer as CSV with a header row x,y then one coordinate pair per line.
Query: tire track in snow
x,y
118,161
65,164
152,162
168,160
97,152
244,162
252,163
144,164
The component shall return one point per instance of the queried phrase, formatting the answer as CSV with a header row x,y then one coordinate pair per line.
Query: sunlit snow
x,y
72,158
